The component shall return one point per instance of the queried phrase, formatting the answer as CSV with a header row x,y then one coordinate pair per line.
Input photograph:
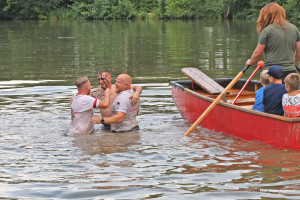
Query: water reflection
x,y
67,49
106,142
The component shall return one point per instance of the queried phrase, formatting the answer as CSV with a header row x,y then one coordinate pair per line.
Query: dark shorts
x,y
106,127
285,73
134,128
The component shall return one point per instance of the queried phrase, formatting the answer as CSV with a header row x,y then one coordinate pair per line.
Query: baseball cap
x,y
275,71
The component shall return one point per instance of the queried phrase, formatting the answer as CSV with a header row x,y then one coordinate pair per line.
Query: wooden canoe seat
x,y
201,79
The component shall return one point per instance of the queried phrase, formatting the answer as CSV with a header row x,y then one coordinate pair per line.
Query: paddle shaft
x,y
238,95
298,69
229,86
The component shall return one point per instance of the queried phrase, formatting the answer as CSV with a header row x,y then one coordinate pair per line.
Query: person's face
x,y
120,85
104,80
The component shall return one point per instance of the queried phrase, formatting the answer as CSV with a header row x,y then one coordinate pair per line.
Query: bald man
x,y
104,78
82,108
124,113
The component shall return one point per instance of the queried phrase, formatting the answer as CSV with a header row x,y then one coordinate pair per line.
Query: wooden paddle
x,y
229,86
260,65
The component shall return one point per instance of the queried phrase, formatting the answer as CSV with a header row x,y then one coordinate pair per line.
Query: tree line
x,y
130,9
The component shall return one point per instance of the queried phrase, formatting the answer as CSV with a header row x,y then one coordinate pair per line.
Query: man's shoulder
x,y
83,97
124,95
80,100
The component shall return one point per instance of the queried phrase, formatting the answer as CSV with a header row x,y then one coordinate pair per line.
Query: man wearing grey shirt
x,y
124,113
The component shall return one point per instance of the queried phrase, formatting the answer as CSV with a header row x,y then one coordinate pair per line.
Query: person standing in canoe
x,y
278,39
124,113
104,78
82,108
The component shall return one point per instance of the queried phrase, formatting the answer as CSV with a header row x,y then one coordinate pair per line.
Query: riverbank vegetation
x,y
130,9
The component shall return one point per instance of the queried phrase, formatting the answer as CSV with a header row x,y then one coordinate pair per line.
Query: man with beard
x,y
123,118
104,78
82,107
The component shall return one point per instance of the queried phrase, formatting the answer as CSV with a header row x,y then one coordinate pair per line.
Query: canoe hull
x,y
243,123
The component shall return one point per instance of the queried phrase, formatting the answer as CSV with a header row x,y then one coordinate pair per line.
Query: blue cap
x,y
275,71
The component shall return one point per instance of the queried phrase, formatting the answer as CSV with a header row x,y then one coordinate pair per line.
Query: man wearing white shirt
x,y
82,108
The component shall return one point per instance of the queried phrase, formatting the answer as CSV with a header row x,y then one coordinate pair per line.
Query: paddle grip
x,y
245,68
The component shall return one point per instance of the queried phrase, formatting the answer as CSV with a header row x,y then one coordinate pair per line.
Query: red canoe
x,y
238,119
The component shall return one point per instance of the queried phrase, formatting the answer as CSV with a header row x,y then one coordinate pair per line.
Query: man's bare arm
x,y
136,95
118,117
258,52
105,102
297,56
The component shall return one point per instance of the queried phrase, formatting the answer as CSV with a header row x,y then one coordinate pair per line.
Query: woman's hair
x,y
271,13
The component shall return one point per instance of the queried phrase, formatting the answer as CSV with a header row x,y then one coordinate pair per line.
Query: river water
x,y
39,62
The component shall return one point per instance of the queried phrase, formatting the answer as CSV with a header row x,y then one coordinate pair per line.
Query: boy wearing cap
x,y
291,100
273,93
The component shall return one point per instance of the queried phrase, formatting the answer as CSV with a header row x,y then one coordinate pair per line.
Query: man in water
x,y
123,118
82,107
104,78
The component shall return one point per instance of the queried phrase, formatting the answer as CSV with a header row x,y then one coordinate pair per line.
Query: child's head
x,y
264,78
292,82
275,74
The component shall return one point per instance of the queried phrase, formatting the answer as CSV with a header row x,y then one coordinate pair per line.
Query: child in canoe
x,y
259,94
291,100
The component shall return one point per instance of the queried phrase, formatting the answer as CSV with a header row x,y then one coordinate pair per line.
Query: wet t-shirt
x,y
123,104
82,111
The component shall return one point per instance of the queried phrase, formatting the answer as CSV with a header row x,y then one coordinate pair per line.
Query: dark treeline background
x,y
128,9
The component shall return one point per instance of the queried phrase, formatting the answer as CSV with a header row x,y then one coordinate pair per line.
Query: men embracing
x,y
118,103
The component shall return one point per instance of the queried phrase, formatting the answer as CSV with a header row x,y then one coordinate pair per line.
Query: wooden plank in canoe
x,y
201,79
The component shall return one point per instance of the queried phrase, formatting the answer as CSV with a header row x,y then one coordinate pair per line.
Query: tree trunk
x,y
227,14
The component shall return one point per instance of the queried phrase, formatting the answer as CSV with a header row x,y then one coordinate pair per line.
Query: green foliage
x,y
124,10
82,9
104,9
30,9
184,8
214,8
127,9
147,6
292,8
252,9
62,13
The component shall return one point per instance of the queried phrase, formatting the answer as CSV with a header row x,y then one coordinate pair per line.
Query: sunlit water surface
x,y
157,162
